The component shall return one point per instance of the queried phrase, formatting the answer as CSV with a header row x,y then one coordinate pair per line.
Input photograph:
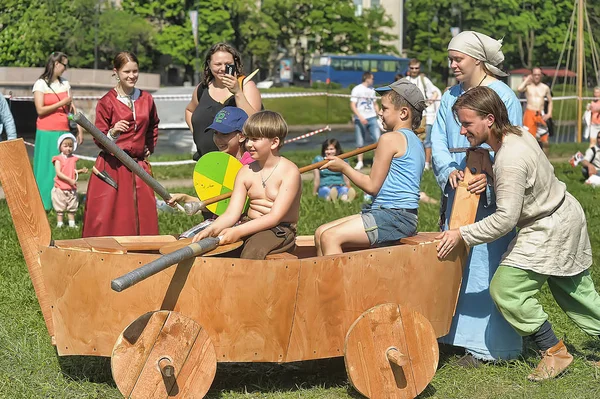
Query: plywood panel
x,y
77,244
245,306
144,243
28,215
336,290
105,244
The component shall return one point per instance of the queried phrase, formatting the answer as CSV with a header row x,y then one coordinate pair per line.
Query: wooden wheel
x,y
391,352
163,354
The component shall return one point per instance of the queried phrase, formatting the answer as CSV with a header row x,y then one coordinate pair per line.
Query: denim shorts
x,y
386,226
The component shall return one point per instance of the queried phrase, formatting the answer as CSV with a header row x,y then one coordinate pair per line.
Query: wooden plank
x,y
245,306
77,244
465,212
28,216
420,238
144,243
178,244
335,290
105,245
282,255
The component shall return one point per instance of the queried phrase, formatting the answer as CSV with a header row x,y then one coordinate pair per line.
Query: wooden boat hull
x,y
278,310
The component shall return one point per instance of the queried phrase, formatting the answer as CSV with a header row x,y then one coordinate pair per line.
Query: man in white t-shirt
x,y
591,160
432,95
364,107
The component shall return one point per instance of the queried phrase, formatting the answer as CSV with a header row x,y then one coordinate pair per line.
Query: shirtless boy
x,y
534,118
273,185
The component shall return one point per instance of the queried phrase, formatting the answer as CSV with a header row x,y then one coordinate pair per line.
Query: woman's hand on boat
x,y
449,239
477,184
455,177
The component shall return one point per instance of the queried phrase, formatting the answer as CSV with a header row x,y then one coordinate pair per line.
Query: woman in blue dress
x,y
477,325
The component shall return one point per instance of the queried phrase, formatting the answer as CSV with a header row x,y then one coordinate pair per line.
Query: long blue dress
x,y
477,326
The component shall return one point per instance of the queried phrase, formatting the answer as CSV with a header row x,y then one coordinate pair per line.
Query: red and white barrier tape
x,y
307,135
189,161
188,97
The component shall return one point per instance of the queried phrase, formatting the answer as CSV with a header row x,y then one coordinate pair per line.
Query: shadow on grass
x,y
248,378
87,368
274,377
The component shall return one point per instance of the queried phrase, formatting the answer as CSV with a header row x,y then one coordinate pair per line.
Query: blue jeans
x,y
427,141
360,131
325,190
385,226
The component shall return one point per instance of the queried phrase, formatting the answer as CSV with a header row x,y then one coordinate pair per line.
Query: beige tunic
x,y
552,237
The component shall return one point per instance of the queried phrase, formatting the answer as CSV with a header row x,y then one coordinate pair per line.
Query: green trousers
x,y
513,290
45,148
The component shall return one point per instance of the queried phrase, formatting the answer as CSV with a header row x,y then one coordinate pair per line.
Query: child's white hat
x,y
66,136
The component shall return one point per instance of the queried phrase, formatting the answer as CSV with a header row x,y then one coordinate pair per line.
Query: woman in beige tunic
x,y
552,244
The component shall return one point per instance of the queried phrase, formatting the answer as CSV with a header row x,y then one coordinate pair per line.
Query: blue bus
x,y
348,69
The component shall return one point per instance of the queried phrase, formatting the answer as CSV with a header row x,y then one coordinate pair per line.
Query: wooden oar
x,y
122,156
303,169
187,252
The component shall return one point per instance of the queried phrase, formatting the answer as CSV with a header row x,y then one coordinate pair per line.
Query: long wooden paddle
x,y
304,169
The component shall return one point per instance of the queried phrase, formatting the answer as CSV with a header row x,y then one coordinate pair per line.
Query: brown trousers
x,y
279,239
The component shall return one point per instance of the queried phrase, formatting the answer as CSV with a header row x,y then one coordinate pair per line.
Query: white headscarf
x,y
481,47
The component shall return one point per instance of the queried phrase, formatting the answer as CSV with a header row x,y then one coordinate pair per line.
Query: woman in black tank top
x,y
217,90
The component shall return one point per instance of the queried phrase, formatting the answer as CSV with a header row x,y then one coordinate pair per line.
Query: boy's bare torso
x,y
262,198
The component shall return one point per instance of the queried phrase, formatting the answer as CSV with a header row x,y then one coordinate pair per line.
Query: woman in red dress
x,y
128,117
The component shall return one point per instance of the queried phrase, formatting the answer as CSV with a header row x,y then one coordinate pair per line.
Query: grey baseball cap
x,y
409,91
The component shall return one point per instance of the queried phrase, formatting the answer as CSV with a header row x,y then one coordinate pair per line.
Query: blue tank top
x,y
401,187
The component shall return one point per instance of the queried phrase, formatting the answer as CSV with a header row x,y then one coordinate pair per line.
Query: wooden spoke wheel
x,y
391,352
164,354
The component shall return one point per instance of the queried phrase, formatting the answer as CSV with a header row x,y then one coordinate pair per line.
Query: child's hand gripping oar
x,y
122,156
168,259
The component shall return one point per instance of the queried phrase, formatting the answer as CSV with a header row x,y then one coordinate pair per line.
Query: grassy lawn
x,y
30,368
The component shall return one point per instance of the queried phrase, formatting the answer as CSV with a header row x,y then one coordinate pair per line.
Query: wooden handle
x,y
165,365
396,357
303,169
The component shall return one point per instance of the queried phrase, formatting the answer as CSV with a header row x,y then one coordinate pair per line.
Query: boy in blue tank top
x,y
394,181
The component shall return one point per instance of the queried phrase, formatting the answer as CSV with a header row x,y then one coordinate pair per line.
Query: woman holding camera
x,y
53,102
220,87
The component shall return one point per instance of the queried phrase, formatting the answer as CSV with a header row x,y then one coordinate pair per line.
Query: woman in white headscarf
x,y
478,327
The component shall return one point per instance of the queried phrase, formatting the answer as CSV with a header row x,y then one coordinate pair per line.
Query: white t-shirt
x,y
364,97
429,90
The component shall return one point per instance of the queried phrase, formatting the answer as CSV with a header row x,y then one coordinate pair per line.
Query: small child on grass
x,y
64,192
394,180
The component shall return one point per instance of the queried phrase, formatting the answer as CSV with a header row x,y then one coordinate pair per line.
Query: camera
x,y
230,69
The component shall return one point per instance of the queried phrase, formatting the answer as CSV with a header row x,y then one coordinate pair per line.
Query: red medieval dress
x,y
129,210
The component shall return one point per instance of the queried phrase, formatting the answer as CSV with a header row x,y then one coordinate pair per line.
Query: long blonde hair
x,y
485,101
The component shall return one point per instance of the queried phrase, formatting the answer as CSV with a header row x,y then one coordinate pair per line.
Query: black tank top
x,y
203,117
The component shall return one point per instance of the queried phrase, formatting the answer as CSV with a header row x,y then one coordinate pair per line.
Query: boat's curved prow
x,y
28,215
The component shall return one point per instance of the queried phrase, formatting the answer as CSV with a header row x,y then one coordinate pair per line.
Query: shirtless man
x,y
534,118
273,185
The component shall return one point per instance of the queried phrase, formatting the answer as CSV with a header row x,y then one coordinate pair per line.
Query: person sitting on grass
x,y
394,180
328,184
228,137
591,160
273,185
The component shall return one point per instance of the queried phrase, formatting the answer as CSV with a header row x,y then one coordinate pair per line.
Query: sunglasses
x,y
63,64
414,67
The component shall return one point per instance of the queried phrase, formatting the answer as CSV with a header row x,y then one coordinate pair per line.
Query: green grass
x,y
30,368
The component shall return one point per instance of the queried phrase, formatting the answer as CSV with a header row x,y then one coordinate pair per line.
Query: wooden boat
x,y
382,308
